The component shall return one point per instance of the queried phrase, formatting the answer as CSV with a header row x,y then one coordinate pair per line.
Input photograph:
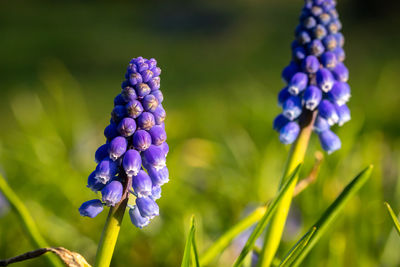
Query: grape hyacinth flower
x,y
133,158
316,77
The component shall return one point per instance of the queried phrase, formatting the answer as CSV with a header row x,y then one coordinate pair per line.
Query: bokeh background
x,y
62,63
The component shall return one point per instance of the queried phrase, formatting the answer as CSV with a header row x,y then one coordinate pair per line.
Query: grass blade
x,y
393,217
188,246
196,261
265,219
331,213
297,249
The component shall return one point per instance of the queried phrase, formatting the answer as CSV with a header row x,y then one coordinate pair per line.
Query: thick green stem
x,y
111,229
296,156
27,221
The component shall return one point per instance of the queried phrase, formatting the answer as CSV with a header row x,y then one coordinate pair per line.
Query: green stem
x,y
223,242
296,156
27,221
111,229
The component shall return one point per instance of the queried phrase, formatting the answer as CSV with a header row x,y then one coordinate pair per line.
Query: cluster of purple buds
x,y
316,77
133,159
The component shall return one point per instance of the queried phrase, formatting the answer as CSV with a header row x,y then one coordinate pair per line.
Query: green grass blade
x,y
196,261
333,210
188,246
393,217
265,219
297,249
222,243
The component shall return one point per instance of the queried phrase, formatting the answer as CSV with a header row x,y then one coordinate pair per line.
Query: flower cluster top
x,y
135,151
316,77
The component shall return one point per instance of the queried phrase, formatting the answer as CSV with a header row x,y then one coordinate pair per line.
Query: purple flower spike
x,y
141,140
312,97
146,120
134,108
154,84
118,113
330,42
280,121
147,207
340,93
298,83
154,156
91,208
142,184
289,132
158,176
328,60
292,108
319,31
150,103
325,80
159,115
330,142
142,90
132,162
159,95
112,193
128,94
343,112
93,183
316,48
146,75
165,148
283,96
310,64
117,147
341,73
158,135
155,193
110,132
137,219
320,125
156,71
101,153
327,111
135,78
105,170
127,127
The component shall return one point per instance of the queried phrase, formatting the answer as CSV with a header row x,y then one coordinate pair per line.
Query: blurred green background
x,y
62,64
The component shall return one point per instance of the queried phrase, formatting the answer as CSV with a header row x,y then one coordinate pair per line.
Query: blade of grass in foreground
x,y
297,249
189,247
265,219
27,221
331,213
393,217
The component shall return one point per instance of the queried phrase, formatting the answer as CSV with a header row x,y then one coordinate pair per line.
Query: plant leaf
x,y
267,216
331,213
188,246
297,249
393,216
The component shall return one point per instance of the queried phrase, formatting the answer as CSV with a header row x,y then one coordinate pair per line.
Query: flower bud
x,y
325,80
280,121
165,148
340,55
152,62
343,112
303,37
289,71
159,95
283,96
156,71
146,121
299,54
147,207
289,132
128,93
150,103
93,183
112,193
142,184
155,193
310,64
141,140
330,42
158,176
339,39
101,153
119,100
298,83
154,84
146,75
340,93
132,162
158,135
320,125
137,219
292,108
330,142
319,31
309,22
118,113
159,115
142,90
340,72
312,97
327,111
134,108
110,132
117,147
127,127
154,156
135,78
91,208
316,48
